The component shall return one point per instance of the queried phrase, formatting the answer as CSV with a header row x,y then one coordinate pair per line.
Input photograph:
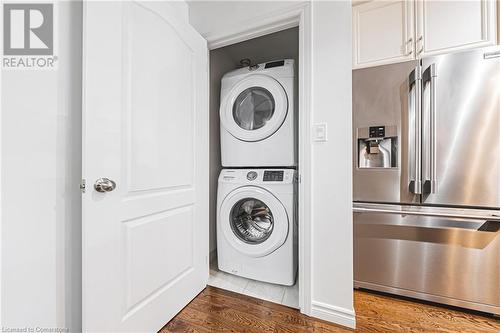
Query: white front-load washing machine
x,y
257,116
256,224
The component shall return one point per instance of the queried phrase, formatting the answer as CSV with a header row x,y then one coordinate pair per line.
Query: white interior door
x,y
145,243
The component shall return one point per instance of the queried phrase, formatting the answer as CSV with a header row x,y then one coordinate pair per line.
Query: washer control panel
x,y
252,175
273,175
258,176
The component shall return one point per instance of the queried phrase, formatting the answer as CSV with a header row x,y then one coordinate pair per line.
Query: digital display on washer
x,y
275,64
273,176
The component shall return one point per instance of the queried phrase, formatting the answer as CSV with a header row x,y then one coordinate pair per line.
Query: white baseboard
x,y
334,314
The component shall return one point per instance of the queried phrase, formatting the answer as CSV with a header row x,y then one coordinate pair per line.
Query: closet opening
x,y
254,167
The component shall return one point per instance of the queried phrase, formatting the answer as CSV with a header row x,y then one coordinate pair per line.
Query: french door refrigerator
x,y
426,179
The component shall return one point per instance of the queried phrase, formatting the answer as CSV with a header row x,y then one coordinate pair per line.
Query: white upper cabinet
x,y
393,31
445,26
383,33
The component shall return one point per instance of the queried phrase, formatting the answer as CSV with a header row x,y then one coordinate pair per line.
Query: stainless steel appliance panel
x,y
380,98
461,129
447,260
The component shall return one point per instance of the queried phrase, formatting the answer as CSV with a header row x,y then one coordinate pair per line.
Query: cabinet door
x,y
382,33
445,26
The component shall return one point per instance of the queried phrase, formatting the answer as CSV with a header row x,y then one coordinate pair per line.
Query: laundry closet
x,y
153,76
254,166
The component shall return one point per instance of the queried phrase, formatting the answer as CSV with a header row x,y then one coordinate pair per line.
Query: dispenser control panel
x,y
377,132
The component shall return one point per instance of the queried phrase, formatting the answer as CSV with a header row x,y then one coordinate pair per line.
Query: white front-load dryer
x,y
257,116
256,229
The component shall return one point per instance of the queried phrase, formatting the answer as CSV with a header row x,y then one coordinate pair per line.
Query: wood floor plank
x,y
217,310
381,313
259,309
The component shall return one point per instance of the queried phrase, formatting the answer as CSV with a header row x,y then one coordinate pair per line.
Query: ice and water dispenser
x,y
377,147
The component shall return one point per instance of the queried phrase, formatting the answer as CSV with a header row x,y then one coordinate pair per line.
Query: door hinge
x,y
83,185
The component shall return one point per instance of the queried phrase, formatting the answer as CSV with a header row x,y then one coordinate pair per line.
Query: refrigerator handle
x,y
430,76
484,224
414,132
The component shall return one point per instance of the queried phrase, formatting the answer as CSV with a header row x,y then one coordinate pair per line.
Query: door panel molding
x,y
172,227
405,49
143,140
488,29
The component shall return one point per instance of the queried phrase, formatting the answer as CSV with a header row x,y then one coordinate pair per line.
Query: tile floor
x,y
285,295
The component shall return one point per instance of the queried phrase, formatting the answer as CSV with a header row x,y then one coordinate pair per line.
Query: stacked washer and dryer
x,y
256,196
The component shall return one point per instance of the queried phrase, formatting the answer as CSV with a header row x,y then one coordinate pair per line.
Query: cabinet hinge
x,y
83,185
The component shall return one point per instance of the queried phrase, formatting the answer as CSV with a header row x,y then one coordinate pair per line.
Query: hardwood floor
x,y
217,310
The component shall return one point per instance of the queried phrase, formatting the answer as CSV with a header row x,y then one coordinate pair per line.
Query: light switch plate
x,y
320,132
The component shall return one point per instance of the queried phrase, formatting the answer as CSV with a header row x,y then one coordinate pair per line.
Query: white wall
x,y
40,199
331,193
332,260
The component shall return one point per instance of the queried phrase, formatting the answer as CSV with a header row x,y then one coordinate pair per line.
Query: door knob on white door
x,y
104,185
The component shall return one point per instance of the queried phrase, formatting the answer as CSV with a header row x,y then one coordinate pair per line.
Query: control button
x,y
251,175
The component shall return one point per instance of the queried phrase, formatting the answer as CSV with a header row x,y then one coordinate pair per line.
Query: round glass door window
x,y
251,221
253,108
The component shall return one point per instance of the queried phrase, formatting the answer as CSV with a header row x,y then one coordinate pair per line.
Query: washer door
x,y
253,221
255,108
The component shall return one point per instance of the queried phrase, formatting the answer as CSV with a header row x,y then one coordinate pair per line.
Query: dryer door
x,y
255,108
253,221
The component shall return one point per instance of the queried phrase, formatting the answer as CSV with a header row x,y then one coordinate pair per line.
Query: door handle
x,y
104,185
409,43
397,210
414,132
429,76
420,41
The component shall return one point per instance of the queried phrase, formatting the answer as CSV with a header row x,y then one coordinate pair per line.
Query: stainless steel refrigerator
x,y
426,179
